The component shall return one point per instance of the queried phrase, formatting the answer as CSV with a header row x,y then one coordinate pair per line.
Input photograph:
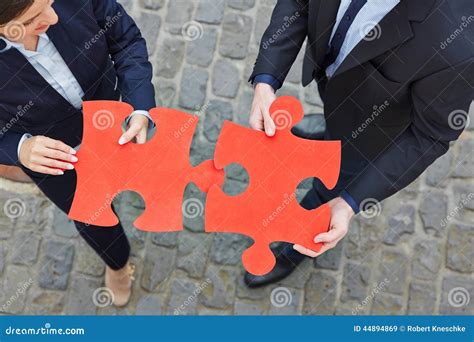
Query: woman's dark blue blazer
x,y
105,51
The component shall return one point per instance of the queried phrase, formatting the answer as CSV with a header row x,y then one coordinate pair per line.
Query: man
x,y
396,78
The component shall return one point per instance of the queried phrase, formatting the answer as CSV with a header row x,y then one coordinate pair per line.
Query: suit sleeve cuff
x,y
142,112
267,79
351,201
22,140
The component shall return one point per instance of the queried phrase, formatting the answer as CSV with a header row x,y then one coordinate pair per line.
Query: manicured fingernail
x,y
121,141
74,159
70,167
60,173
73,151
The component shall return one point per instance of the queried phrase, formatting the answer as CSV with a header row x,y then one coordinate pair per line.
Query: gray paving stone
x,y
465,161
165,92
221,290
150,24
192,253
228,248
387,305
403,222
330,260
170,58
355,282
56,265
426,261
216,113
320,294
210,11
421,299
43,302
63,226
393,271
433,209
3,254
438,174
149,305
459,249
179,13
165,239
17,282
25,247
183,297
88,262
158,265
152,4
225,79
236,30
201,51
246,308
80,300
241,4
193,88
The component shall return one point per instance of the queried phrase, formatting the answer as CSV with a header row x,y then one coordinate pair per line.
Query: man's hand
x,y
137,130
45,155
341,215
260,118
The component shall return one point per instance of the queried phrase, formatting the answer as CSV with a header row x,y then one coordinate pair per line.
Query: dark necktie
x,y
341,32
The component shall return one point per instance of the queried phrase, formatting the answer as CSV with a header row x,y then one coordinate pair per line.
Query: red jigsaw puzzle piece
x,y
268,210
158,170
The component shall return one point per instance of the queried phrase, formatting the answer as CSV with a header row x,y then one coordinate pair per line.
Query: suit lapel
x,y
326,19
393,30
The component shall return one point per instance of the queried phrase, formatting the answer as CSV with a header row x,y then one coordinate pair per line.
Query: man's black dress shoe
x,y
287,260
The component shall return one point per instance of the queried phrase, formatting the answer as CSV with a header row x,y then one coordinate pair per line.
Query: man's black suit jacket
x,y
399,98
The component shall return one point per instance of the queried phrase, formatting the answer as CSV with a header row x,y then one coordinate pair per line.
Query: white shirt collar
x,y
43,40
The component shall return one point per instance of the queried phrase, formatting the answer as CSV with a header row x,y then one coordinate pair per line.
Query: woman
x,y
53,56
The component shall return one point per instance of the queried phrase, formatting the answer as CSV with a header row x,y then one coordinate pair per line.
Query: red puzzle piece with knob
x,y
268,210
158,170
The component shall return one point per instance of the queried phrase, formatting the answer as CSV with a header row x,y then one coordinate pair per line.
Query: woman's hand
x,y
260,118
45,155
137,130
341,215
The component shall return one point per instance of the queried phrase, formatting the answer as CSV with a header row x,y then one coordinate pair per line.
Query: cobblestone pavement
x,y
414,256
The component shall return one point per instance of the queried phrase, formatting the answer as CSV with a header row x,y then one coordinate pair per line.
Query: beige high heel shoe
x,y
120,283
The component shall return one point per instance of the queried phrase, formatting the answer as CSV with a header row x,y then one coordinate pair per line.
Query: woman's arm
x,y
129,53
